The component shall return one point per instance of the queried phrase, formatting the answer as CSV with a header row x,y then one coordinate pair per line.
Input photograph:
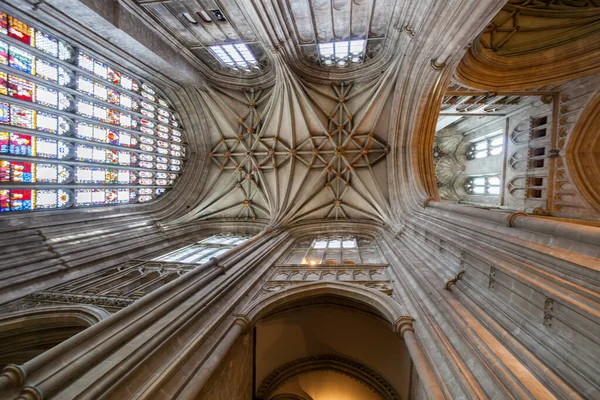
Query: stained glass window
x,y
102,126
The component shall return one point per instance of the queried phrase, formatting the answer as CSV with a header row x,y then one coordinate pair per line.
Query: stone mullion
x,y
442,355
102,336
134,280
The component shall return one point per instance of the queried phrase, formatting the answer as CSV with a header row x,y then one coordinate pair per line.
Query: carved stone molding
x,y
328,362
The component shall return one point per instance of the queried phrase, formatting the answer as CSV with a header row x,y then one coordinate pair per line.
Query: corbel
x,y
453,281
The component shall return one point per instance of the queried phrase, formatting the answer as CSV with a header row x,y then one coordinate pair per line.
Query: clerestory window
x,y
235,56
333,250
203,251
483,185
76,131
487,147
342,53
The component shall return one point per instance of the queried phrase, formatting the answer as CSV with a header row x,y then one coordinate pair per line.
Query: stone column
x,y
192,390
405,329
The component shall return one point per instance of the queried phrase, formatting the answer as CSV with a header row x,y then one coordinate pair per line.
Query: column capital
x,y
403,324
244,321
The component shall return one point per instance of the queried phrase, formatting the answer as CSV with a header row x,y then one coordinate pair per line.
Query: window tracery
x,y
78,132
342,53
487,147
483,185
202,251
334,250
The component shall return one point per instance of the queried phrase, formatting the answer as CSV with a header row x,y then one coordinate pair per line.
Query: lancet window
x,y
487,147
77,132
342,53
483,185
334,250
201,252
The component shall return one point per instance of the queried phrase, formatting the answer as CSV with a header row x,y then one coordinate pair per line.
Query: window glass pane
x,y
335,244
349,244
479,190
497,141
320,244
494,190
494,181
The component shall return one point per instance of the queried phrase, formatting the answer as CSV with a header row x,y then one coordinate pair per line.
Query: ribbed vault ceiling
x,y
298,151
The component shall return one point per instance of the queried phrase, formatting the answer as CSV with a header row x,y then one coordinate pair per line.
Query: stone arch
x,y
366,299
28,333
583,155
353,369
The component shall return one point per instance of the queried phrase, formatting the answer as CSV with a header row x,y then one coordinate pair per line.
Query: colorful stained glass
x,y
3,23
174,123
114,76
4,198
148,106
148,114
21,60
20,200
4,113
20,171
3,84
148,96
3,53
146,123
21,145
46,70
4,171
146,131
51,95
112,96
20,88
19,30
22,117
46,43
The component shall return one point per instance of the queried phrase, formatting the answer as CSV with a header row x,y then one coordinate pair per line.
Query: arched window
x,y
203,251
76,132
483,185
342,53
486,147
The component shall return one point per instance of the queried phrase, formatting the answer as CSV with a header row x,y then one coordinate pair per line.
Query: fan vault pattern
x,y
297,151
